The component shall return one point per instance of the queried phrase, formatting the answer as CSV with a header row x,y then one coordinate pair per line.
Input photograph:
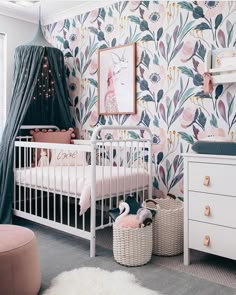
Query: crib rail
x,y
52,190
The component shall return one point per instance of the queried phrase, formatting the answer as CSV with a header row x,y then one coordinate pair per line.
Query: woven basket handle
x,y
151,201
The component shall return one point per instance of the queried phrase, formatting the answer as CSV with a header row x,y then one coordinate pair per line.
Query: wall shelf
x,y
221,64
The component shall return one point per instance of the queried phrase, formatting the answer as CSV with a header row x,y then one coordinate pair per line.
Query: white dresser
x,y
209,205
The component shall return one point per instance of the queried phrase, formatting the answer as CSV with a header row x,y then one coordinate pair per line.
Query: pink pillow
x,y
53,136
68,158
50,136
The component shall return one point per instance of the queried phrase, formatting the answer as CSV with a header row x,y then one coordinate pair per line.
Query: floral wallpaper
x,y
172,39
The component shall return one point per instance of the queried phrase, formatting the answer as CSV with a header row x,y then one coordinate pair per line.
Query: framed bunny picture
x,y
116,80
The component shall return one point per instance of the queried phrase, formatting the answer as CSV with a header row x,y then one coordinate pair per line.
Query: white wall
x,y
18,32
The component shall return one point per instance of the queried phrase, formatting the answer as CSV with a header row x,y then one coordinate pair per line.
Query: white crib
x,y
76,198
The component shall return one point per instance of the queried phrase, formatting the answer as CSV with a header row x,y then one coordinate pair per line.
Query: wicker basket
x,y
132,246
167,226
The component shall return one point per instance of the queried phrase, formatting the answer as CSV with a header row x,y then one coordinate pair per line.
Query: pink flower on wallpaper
x,y
93,67
93,15
73,38
106,134
155,18
187,50
155,76
187,117
73,85
218,132
159,141
93,118
211,8
110,28
133,5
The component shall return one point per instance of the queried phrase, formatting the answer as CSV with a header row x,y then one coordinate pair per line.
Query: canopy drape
x,y
27,68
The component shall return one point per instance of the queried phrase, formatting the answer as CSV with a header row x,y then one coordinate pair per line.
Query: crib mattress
x,y
69,180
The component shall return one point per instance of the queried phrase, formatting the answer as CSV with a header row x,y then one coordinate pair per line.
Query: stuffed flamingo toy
x,y
125,219
141,219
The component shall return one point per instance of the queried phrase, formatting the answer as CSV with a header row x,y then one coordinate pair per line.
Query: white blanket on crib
x,y
69,180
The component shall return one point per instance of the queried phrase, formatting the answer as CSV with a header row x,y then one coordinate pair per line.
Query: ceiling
x,y
51,10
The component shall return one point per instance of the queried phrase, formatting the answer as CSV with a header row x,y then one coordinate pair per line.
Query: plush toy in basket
x,y
167,226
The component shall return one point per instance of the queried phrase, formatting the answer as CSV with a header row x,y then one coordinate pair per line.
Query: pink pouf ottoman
x,y
19,261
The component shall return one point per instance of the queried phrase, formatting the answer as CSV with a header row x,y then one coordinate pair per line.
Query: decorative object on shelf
x,y
116,87
221,65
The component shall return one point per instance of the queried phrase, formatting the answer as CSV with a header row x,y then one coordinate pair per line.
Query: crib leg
x,y
93,246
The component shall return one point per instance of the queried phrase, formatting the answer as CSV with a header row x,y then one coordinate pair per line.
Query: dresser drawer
x,y
215,209
212,178
222,240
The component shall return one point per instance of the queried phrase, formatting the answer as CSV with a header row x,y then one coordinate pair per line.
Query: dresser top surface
x,y
197,156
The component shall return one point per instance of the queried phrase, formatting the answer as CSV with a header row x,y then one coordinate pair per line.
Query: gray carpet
x,y
59,252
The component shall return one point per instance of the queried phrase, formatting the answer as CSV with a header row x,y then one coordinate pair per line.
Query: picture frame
x,y
117,80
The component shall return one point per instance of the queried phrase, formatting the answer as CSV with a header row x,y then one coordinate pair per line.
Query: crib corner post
x,y
93,202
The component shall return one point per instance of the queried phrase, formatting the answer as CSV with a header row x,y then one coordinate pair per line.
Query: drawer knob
x,y
207,210
207,241
206,180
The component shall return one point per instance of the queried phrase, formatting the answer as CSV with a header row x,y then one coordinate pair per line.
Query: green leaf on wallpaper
x,y
159,33
67,24
144,26
187,71
202,26
198,12
93,101
110,13
73,23
67,72
155,183
93,30
155,60
66,44
186,5
160,95
73,73
213,121
186,29
102,13
198,80
103,46
186,95
143,85
101,36
156,121
147,38
145,3
146,60
202,119
218,20
147,97
76,50
60,39
186,137
133,135
109,121
218,91
113,42
202,51
134,19
93,82
229,28
68,54
102,120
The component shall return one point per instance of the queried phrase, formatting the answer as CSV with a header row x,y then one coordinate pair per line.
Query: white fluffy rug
x,y
96,281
